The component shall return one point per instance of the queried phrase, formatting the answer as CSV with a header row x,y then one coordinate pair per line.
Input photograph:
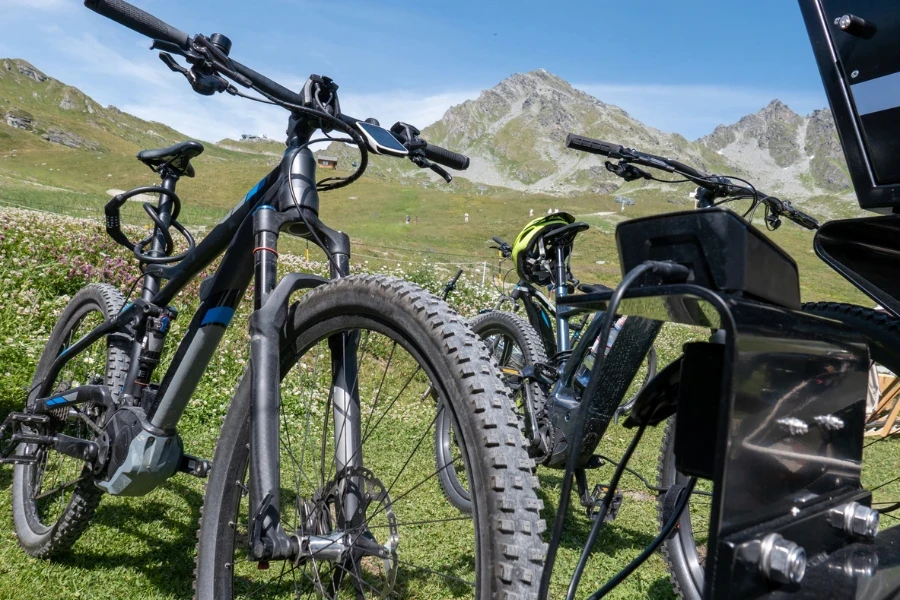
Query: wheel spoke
x,y
61,487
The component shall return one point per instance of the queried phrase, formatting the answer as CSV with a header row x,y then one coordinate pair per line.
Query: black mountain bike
x,y
320,484
543,340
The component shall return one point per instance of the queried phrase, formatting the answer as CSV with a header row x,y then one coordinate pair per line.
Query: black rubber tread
x,y
511,550
881,330
672,554
85,498
527,339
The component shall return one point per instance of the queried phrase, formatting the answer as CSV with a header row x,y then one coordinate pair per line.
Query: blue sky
x,y
678,66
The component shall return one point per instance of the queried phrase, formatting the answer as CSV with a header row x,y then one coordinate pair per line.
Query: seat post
x,y
560,289
158,245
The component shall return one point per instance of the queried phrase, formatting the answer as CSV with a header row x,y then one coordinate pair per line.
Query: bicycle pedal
x,y
11,436
599,493
196,467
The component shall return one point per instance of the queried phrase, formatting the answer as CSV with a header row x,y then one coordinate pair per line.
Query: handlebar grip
x,y
447,158
144,23
592,146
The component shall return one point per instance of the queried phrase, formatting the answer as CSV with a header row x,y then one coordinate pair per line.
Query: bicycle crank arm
x,y
64,444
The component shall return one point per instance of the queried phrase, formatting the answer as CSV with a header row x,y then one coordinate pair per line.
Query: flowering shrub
x,y
45,259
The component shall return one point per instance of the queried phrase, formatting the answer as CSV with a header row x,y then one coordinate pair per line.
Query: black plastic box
x,y
855,43
724,252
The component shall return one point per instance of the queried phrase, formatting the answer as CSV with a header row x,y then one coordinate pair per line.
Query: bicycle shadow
x,y
613,538
149,539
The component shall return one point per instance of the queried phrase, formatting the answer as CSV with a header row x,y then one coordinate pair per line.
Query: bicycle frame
x,y
606,387
250,229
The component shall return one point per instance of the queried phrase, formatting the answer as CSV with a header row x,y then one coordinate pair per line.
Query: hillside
x,y
63,152
54,136
796,155
515,133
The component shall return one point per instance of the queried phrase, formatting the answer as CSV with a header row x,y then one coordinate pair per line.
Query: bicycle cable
x,y
566,488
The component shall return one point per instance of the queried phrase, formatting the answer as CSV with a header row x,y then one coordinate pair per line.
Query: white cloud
x,y
695,110
144,87
410,107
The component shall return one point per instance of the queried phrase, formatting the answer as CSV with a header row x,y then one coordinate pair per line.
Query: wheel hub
x,y
320,540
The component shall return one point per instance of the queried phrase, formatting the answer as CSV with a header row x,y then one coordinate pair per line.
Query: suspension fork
x,y
346,410
268,540
267,537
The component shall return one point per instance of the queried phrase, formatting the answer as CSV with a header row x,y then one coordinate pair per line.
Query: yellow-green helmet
x,y
528,252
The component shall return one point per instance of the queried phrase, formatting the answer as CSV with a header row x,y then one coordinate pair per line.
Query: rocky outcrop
x,y
785,152
68,103
55,135
515,134
25,68
19,119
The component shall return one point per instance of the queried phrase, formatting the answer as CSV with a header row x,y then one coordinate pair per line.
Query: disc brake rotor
x,y
321,539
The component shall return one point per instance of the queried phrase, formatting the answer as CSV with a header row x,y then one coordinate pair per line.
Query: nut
x,y
856,519
781,560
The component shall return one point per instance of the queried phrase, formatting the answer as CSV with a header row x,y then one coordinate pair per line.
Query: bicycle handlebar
x,y
173,38
146,24
720,186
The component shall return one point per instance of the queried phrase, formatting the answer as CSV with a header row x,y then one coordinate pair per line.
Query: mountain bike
x,y
684,510
543,341
320,484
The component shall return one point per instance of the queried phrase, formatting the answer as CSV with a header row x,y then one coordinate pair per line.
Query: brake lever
x,y
627,171
440,171
173,64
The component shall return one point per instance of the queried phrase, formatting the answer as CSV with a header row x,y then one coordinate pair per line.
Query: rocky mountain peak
x,y
23,67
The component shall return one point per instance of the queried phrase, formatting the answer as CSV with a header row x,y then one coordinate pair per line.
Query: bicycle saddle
x,y
564,235
176,159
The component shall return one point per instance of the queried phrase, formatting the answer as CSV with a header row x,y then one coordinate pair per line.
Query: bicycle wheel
x,y
514,344
54,499
408,343
685,551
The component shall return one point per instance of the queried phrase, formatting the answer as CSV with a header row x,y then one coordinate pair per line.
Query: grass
x,y
146,545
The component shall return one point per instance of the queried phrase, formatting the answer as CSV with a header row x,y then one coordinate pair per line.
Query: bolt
x,y
829,422
781,560
854,74
856,519
793,425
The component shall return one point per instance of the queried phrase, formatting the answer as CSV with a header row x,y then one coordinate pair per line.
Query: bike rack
x,y
774,417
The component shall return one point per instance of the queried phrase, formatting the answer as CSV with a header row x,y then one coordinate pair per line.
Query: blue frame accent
x,y
252,193
219,315
55,401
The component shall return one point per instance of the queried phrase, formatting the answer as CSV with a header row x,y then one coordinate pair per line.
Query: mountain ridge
x,y
514,133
